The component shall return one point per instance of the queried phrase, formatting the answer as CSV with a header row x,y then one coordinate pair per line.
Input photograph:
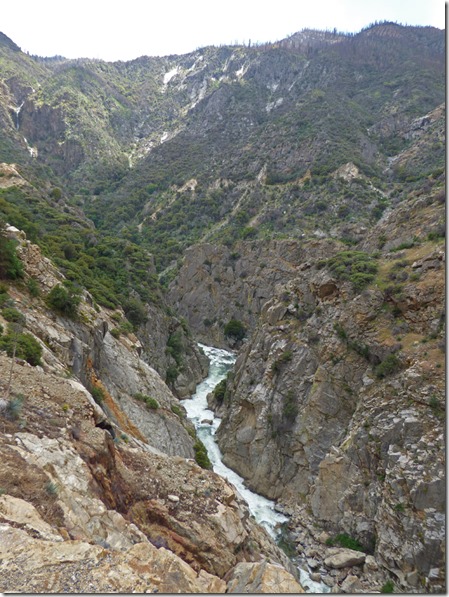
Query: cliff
x,y
99,489
336,403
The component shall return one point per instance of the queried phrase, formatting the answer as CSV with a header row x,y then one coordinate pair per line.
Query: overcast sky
x,y
124,30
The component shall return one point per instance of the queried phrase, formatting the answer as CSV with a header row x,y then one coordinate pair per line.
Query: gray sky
x,y
126,29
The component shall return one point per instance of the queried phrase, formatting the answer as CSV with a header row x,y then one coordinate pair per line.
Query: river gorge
x,y
206,424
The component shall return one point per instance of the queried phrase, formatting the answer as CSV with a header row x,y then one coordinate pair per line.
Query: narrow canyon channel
x,y
206,424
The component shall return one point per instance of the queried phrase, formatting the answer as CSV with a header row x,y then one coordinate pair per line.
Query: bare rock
x,y
343,558
351,584
261,577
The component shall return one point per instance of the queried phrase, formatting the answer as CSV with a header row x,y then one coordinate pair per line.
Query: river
x,y
197,409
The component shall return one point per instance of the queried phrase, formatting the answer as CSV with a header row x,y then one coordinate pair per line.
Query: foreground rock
x,y
261,578
99,491
83,512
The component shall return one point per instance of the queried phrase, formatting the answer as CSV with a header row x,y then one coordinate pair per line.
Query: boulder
x,y
343,558
261,577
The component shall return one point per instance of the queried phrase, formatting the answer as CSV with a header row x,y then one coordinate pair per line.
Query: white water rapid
x,y
198,412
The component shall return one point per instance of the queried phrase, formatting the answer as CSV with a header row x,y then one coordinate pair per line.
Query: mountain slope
x,y
286,200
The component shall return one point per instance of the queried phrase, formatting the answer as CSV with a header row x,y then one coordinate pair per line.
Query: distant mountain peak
x,y
314,37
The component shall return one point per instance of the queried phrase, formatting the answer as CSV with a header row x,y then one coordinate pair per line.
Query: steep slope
x,y
336,403
285,120
92,479
230,142
115,271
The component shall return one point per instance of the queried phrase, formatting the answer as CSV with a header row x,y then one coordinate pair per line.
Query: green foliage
x,y
290,408
135,311
13,315
56,193
11,267
388,587
285,357
353,344
286,542
14,407
52,489
344,540
175,347
201,456
33,287
98,394
177,411
150,402
235,329
171,374
340,330
64,299
25,345
356,266
391,364
219,392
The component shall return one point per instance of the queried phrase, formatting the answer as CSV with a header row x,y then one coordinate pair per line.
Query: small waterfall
x,y
17,113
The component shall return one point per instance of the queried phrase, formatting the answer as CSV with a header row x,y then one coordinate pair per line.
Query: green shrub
x,y
171,374
219,392
33,287
149,401
201,456
177,411
358,267
290,410
26,347
11,267
175,347
13,315
152,403
64,299
389,365
344,540
340,330
235,329
14,407
126,327
97,395
52,489
285,357
388,587
135,311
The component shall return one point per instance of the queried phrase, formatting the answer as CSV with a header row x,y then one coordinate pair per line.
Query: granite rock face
x,y
99,491
335,405
120,368
83,511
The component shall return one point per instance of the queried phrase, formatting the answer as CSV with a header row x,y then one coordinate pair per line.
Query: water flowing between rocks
x,y
198,412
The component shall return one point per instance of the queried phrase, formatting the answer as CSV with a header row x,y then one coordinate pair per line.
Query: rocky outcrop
x,y
98,487
168,345
118,366
82,505
216,284
336,405
261,578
